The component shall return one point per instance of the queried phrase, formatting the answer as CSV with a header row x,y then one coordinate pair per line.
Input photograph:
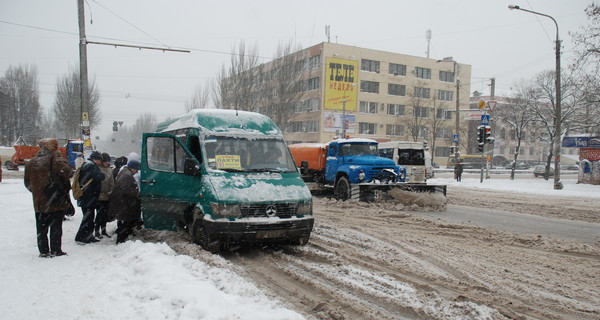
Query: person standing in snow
x,y
105,191
125,201
89,200
47,178
119,163
458,170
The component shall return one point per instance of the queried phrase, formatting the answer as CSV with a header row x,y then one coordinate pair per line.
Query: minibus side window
x,y
161,156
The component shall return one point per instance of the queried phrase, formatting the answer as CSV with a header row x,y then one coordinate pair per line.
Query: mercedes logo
x,y
271,211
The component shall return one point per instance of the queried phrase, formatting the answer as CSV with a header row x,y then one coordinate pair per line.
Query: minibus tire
x,y
342,189
202,238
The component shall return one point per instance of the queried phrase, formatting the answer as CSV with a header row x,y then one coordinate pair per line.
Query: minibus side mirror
x,y
304,167
191,167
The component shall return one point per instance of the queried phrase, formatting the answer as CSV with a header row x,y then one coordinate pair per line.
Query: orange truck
x,y
24,153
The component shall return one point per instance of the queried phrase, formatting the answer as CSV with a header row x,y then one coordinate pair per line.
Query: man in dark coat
x,y
458,171
47,178
89,200
125,201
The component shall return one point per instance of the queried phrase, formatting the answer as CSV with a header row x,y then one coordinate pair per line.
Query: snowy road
x,y
586,232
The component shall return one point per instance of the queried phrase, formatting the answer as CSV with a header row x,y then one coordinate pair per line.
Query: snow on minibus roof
x,y
363,140
222,120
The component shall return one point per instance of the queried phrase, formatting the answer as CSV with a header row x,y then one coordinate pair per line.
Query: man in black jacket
x,y
89,200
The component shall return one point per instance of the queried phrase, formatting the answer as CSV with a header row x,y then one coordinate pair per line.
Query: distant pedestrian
x,y
89,200
458,170
105,190
125,201
119,163
47,178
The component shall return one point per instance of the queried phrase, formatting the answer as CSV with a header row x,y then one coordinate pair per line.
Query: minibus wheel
x,y
201,237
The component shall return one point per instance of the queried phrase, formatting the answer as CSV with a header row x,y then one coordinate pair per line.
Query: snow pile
x,y
134,280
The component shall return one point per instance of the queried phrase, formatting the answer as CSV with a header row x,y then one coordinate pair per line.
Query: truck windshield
x,y
247,155
356,149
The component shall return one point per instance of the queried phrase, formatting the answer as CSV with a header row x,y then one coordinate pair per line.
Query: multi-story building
x,y
379,95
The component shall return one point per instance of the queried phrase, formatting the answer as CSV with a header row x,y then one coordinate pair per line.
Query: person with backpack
x,y
47,178
91,178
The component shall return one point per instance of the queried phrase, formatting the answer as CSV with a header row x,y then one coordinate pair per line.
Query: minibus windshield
x,y
247,155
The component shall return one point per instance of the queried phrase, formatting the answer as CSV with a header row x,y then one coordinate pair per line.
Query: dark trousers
x,y
101,216
86,229
52,221
124,229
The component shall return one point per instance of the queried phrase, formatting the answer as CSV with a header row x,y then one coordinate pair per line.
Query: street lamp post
x,y
457,119
344,110
557,110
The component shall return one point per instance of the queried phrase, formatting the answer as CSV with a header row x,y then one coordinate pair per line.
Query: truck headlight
x,y
305,208
225,210
361,175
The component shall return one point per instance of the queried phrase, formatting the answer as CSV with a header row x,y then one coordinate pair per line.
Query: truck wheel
x,y
201,237
342,189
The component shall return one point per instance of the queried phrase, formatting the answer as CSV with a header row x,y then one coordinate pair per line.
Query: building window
x,y
421,132
369,65
303,126
445,95
395,109
446,76
443,114
443,133
313,84
307,105
531,151
394,130
397,69
422,92
369,86
368,107
442,152
421,112
314,62
396,89
423,73
366,128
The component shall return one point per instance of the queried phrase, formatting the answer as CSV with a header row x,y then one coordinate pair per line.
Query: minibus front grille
x,y
282,210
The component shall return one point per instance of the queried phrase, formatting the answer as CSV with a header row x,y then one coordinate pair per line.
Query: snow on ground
x,y
134,280
524,184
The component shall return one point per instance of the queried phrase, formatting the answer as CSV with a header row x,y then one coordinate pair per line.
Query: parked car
x,y
519,166
539,170
571,167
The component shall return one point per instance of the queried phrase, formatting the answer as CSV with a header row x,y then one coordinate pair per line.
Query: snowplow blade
x,y
422,187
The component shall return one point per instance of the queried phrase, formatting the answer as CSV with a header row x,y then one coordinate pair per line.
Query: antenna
x,y
328,33
428,37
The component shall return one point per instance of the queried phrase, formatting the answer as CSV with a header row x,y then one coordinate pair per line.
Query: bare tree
x,y
587,41
238,86
67,106
586,118
419,99
518,115
19,104
200,99
288,83
438,121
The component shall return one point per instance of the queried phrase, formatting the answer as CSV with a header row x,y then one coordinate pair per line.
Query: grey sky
x,y
497,42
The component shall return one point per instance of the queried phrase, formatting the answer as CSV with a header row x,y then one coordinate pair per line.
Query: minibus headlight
x,y
225,210
305,207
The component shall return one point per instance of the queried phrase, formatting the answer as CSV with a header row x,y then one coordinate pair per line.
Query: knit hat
x,y
105,157
95,155
133,164
49,144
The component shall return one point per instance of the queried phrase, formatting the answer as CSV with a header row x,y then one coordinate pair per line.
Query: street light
x,y
557,111
344,110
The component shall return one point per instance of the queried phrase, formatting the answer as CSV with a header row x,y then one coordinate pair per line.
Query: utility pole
x,y
492,125
83,81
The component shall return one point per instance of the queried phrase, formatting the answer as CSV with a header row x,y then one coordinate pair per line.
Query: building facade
x,y
379,95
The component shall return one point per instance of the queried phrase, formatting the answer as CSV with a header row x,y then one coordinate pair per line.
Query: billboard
x,y
341,84
332,122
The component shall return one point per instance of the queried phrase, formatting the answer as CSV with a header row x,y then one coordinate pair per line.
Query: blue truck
x,y
353,169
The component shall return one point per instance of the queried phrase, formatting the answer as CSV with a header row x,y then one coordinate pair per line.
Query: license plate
x,y
270,234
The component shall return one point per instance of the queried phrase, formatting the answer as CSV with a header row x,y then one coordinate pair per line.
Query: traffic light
x,y
480,138
488,135
115,127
